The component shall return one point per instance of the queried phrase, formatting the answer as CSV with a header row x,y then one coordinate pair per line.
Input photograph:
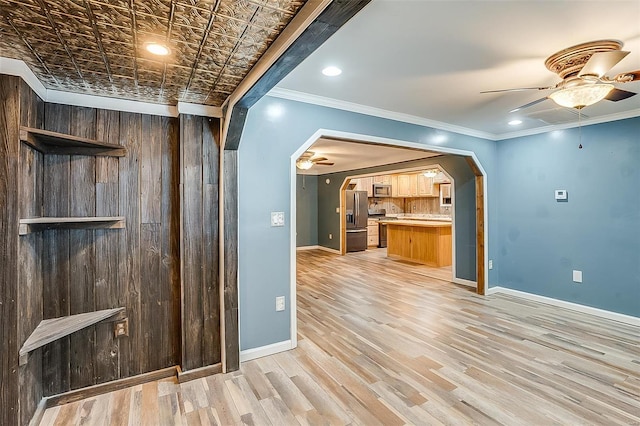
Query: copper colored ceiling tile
x,y
98,46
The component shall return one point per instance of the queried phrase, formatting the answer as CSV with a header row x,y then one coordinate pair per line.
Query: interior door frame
x,y
482,209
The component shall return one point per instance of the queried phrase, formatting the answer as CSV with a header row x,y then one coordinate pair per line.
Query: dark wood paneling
x,y
29,257
82,202
9,215
210,290
230,185
191,253
107,349
200,291
129,257
170,340
55,258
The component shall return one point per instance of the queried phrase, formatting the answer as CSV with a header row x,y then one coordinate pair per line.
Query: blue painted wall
x,y
274,130
458,169
597,231
306,210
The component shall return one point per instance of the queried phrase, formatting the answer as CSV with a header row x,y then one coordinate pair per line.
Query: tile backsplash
x,y
426,205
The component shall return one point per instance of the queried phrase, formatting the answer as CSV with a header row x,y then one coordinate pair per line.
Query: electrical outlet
x,y
277,218
279,303
577,276
121,328
331,236
490,264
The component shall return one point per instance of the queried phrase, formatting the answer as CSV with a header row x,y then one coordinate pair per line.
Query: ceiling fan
x,y
306,161
582,69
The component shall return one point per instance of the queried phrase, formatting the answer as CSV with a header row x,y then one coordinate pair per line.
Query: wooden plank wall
x,y
9,215
62,272
200,290
137,267
29,256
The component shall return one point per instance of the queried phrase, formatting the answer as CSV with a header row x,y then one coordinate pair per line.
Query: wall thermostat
x,y
561,194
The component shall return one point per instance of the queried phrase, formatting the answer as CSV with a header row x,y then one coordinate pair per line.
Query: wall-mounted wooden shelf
x,y
38,224
58,143
53,329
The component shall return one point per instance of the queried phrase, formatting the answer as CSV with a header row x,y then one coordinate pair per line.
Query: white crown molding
x,y
18,68
375,112
412,119
201,110
627,319
588,122
116,104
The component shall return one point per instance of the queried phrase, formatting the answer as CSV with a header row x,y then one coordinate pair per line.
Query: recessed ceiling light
x,y
157,49
515,122
331,71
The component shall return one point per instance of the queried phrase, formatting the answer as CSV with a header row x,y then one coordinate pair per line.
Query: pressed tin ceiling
x,y
97,47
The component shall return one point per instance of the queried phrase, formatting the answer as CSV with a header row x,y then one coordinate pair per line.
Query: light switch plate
x,y
577,276
277,218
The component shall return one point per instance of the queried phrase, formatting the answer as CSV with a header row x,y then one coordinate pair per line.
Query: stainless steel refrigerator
x,y
357,213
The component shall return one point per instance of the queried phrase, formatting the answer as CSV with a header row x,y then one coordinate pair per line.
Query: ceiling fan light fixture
x,y
581,96
304,164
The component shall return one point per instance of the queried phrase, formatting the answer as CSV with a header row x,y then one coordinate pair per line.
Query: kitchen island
x,y
420,241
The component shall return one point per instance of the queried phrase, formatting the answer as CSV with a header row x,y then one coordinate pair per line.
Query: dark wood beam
x,y
337,13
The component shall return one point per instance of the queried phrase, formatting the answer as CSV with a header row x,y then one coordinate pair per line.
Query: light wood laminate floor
x,y
381,343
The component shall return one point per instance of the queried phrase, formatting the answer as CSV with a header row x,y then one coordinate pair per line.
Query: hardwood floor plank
x,y
381,343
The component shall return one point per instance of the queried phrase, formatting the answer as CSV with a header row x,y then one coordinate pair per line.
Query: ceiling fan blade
x,y
616,95
519,89
627,77
326,164
530,104
315,160
601,62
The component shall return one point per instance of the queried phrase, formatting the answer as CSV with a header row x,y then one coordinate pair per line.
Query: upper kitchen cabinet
x,y
407,186
426,187
441,178
364,184
413,185
382,180
445,194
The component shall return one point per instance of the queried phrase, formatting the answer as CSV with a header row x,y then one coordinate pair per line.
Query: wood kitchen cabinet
x,y
422,242
382,180
372,232
445,194
425,186
405,186
364,184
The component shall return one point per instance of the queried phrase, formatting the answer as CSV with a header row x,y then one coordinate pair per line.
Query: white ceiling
x,y
431,59
354,156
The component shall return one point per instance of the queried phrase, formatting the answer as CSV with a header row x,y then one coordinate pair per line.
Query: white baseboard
x,y
627,319
274,348
462,281
330,250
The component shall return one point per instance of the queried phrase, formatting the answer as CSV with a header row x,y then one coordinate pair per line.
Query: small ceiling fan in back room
x,y
582,69
307,160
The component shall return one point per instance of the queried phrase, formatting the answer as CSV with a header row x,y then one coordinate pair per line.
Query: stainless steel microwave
x,y
380,190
